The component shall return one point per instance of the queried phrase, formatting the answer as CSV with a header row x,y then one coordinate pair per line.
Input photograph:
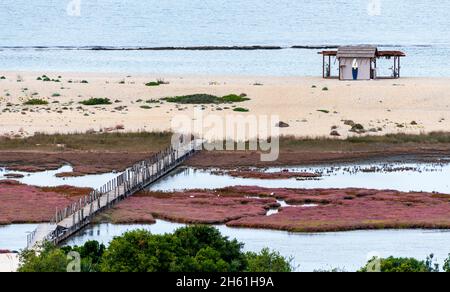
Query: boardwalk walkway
x,y
76,216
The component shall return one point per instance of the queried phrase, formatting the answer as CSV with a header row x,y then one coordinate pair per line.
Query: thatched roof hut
x,y
359,62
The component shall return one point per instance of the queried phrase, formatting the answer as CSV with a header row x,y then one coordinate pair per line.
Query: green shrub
x,y
145,107
193,99
152,83
400,265
84,82
91,254
152,101
3,78
35,101
206,99
324,111
96,101
235,98
156,83
50,259
56,95
446,266
54,259
45,78
268,261
188,249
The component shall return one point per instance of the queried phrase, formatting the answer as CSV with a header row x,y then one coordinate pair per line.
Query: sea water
x,y
59,35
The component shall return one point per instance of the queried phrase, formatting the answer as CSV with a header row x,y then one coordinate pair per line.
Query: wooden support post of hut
x,y
359,62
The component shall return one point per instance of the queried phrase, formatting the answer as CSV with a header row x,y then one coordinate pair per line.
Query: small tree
x,y
446,266
268,261
90,253
50,259
397,265
189,249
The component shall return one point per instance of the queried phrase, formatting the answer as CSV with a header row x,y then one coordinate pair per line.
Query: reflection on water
x,y
48,178
347,250
396,176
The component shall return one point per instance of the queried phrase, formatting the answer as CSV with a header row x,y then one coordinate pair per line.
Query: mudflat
x,y
312,210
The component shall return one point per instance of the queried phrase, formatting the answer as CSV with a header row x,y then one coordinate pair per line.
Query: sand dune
x,y
410,105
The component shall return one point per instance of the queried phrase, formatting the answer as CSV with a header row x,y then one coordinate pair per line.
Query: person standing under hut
x,y
355,66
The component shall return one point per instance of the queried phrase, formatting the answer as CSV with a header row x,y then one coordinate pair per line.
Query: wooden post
x,y
340,69
329,65
395,67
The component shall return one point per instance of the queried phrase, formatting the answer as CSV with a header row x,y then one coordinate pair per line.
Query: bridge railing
x,y
30,238
133,179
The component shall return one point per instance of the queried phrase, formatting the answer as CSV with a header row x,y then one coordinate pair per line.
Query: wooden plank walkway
x,y
76,216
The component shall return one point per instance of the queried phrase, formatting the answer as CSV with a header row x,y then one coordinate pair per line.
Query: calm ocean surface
x,y
419,27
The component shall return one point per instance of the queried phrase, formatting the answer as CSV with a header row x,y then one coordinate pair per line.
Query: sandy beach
x,y
310,106
9,262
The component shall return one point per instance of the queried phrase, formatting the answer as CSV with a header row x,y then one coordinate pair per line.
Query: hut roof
x,y
363,51
391,54
359,51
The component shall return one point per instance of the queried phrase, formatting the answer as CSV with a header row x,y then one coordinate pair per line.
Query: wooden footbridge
x,y
73,218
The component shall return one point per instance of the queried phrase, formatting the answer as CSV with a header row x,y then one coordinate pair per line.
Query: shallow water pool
x,y
48,178
429,177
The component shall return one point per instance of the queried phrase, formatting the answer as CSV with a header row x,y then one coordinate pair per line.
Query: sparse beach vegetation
x,y
156,83
241,109
96,101
45,78
35,101
206,99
